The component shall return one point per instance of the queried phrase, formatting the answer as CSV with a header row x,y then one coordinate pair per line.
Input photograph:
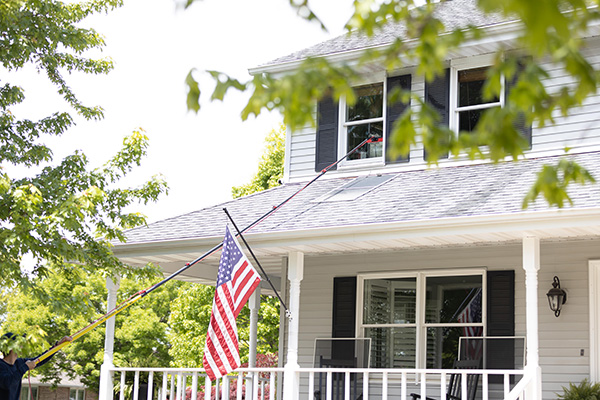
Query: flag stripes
x,y
237,279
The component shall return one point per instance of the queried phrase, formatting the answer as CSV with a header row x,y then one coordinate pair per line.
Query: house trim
x,y
500,227
594,299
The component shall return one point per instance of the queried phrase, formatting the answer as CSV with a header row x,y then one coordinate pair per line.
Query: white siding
x,y
580,130
582,127
561,339
302,152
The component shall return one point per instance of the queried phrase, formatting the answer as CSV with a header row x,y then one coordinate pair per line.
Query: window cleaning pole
x,y
143,293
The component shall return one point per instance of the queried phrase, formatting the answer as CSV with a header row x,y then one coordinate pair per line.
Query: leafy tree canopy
x,y
270,167
66,211
551,31
140,330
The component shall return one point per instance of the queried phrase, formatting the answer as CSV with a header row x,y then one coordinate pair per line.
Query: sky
x,y
154,44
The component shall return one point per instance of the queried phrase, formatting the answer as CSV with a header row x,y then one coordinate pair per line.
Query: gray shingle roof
x,y
455,14
475,190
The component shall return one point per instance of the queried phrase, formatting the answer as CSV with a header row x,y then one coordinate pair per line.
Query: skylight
x,y
356,188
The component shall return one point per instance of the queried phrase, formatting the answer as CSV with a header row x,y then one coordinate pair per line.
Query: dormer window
x,y
364,119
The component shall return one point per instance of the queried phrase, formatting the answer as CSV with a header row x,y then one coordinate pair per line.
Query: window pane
x,y
73,394
390,301
470,87
369,103
442,346
453,299
392,347
468,119
358,133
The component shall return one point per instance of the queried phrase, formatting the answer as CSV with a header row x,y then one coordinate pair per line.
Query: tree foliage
x,y
189,318
140,330
68,211
552,30
270,167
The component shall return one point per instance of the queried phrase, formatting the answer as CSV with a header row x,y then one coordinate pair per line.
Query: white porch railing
x,y
314,383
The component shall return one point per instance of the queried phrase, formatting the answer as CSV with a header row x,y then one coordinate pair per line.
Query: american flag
x,y
236,281
472,313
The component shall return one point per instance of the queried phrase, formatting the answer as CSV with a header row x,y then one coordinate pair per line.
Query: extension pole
x,y
142,293
287,311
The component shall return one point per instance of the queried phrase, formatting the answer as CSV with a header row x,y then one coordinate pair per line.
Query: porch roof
x,y
461,205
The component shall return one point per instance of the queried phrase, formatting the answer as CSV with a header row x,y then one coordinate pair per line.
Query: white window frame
x,y
77,392
420,324
343,125
464,64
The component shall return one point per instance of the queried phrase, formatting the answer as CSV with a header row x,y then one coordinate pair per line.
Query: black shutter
x,y
344,307
520,123
344,317
394,111
437,94
500,320
327,133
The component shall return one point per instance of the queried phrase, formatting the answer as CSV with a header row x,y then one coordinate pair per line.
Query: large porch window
x,y
416,320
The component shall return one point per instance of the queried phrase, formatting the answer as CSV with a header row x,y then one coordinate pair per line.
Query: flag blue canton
x,y
230,256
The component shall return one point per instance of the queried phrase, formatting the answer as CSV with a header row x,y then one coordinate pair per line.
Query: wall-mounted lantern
x,y
556,297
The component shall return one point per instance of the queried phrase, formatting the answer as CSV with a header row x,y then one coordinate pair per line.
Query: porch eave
x,y
470,230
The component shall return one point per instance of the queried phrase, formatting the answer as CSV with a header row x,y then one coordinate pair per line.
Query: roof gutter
x,y
526,223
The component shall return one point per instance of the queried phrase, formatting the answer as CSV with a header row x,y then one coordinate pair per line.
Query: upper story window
x,y
341,127
364,119
470,100
457,95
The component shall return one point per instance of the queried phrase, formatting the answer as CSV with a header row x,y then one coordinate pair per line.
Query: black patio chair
x,y
454,391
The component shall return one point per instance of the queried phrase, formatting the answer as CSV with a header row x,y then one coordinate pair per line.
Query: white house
x,y
400,253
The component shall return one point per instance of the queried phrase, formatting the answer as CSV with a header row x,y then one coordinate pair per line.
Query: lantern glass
x,y
556,297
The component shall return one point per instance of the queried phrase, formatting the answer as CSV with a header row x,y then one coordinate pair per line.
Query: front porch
x,y
291,381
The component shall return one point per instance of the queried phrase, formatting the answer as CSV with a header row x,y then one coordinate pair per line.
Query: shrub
x,y
584,391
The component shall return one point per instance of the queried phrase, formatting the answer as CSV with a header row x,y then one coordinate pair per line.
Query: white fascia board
x,y
495,33
523,222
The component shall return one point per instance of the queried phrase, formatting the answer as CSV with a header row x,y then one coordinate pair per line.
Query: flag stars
x,y
230,257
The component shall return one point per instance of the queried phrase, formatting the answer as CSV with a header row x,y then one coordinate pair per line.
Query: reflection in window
x,y
451,299
364,119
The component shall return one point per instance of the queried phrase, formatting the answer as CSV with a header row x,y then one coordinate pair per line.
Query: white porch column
x,y
254,304
531,265
295,275
106,384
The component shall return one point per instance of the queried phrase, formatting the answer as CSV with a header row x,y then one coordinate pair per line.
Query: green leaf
x,y
193,93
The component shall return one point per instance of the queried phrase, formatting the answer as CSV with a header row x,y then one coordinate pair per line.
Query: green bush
x,y
584,391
